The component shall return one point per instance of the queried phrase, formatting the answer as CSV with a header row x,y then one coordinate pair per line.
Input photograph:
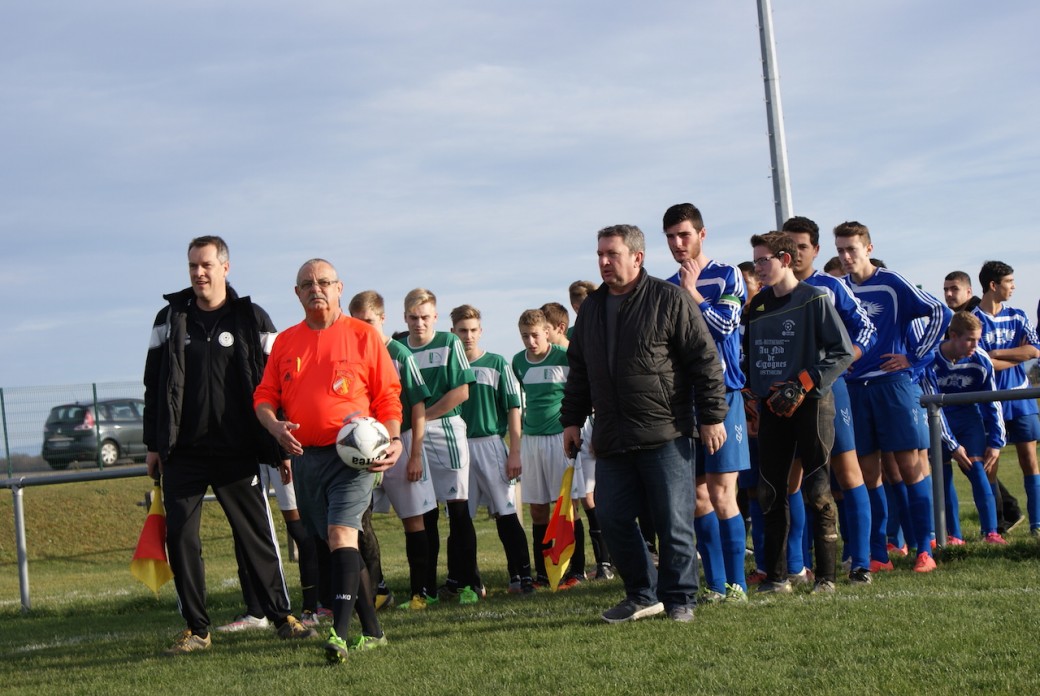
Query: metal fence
x,y
24,413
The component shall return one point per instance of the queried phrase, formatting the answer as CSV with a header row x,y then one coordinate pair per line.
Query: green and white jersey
x,y
490,397
413,388
543,384
444,366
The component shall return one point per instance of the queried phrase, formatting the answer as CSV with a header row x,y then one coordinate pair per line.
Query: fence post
x,y
23,555
938,488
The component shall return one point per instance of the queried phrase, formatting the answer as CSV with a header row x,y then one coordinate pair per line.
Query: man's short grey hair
x,y
311,262
631,236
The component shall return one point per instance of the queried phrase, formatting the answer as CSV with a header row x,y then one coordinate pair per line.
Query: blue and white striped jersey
x,y
860,328
724,293
971,374
1010,328
892,303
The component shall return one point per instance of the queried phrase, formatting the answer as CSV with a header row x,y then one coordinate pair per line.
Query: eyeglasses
x,y
765,259
322,283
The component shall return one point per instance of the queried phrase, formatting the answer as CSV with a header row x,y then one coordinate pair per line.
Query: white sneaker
x,y
244,622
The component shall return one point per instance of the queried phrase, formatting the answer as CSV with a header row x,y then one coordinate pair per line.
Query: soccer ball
x,y
362,441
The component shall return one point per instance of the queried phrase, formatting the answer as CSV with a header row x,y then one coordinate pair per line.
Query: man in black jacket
x,y
205,357
642,357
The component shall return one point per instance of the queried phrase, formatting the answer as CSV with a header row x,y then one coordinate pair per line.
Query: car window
x,y
70,413
122,412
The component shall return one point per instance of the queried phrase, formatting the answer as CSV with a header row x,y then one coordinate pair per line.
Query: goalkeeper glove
x,y
788,396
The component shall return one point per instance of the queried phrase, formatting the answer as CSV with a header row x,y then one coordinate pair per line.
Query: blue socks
x,y
796,533
982,492
709,545
920,504
953,519
857,514
1032,485
878,524
734,537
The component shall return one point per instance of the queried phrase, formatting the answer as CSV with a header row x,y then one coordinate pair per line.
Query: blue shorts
x,y
328,491
970,433
1023,428
844,432
748,478
733,456
887,414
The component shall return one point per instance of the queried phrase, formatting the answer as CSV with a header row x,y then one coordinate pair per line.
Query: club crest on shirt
x,y
872,309
226,339
341,382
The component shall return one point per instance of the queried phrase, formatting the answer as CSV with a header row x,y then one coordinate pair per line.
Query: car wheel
x,y
58,464
109,452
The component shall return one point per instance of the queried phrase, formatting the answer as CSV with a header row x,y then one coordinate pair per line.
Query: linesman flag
x,y
150,565
559,536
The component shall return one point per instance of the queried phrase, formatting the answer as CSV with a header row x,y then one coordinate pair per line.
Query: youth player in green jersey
x,y
492,409
542,372
442,361
408,488
559,321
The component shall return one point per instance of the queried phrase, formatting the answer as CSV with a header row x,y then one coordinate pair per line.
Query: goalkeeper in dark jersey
x,y
795,346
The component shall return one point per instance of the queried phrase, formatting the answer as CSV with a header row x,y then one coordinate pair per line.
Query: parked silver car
x,y
73,432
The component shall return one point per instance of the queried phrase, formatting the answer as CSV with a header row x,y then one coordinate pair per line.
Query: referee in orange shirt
x,y
321,372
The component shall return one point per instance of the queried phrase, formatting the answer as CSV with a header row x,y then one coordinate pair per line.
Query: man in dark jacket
x,y
642,358
205,357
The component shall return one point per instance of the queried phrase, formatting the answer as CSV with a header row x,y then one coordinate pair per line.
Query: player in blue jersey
x,y
883,393
719,291
856,502
958,295
1011,340
973,434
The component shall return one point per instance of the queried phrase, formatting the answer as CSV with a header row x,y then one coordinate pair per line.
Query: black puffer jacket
x,y
666,365
164,395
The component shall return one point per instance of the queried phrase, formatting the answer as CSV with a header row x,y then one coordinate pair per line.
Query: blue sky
x,y
474,148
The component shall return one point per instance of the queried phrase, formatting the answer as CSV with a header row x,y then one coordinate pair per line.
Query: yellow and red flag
x,y
559,536
149,564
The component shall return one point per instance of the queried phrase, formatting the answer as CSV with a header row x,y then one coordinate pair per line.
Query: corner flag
x,y
149,564
559,536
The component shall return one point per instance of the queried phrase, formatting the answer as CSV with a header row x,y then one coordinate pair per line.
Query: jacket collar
x,y
185,298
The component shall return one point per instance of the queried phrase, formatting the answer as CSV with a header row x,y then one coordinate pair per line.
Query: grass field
x,y
973,626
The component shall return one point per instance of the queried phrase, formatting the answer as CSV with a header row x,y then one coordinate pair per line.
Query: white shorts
x,y
488,484
447,457
284,494
544,463
588,462
409,498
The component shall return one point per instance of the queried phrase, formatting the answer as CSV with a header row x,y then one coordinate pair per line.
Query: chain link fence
x,y
69,427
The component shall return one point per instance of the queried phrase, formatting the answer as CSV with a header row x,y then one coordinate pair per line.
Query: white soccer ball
x,y
362,441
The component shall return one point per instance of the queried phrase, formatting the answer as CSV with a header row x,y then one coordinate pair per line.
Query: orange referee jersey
x,y
319,377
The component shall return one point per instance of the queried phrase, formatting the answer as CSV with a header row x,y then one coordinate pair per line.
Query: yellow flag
x,y
559,536
149,564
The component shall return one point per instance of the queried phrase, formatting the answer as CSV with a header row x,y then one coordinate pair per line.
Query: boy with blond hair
x,y
542,371
408,488
973,434
446,371
492,410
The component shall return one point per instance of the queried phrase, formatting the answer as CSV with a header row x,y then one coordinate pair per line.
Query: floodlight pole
x,y
774,115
